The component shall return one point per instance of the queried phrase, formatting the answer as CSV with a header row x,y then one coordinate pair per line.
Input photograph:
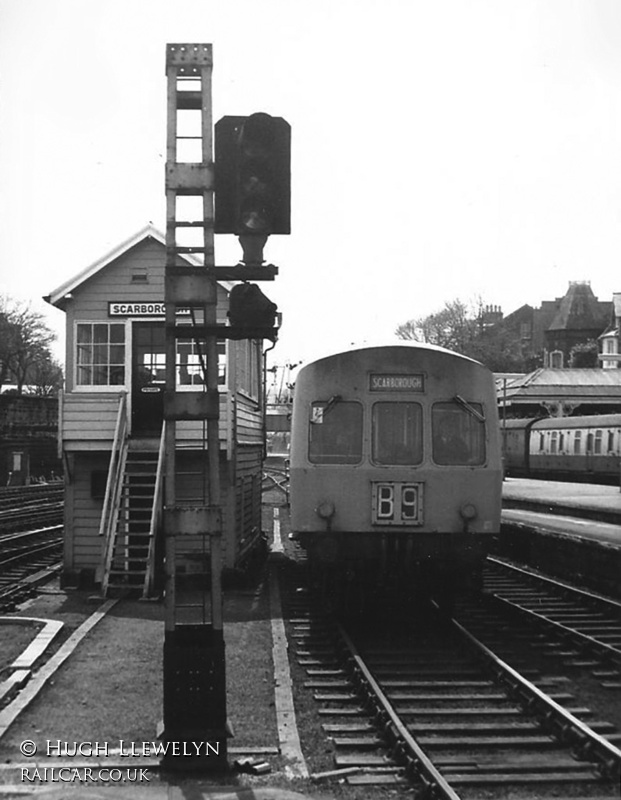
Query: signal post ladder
x,y
194,662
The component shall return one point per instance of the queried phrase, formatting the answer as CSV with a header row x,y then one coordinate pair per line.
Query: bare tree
x,y
46,377
455,327
25,342
461,327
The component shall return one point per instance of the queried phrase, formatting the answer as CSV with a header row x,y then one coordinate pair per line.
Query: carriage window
x,y
542,443
598,441
577,441
458,435
611,441
553,442
335,435
397,433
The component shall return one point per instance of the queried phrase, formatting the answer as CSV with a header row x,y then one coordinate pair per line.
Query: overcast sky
x,y
441,150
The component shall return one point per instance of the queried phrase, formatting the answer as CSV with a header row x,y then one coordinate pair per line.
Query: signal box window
x,y
397,433
191,359
100,351
247,360
458,434
335,433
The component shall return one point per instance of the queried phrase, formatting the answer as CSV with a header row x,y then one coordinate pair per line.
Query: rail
x,y
156,515
563,724
114,485
416,760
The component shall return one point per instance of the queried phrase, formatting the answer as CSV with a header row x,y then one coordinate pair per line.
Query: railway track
x,y
26,508
581,620
11,496
28,559
431,707
275,478
578,629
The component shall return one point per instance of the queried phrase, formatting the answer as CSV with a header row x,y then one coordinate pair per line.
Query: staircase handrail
x,y
156,514
114,484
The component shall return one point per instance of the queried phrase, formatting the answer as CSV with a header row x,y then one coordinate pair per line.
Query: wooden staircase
x,y
130,553
132,512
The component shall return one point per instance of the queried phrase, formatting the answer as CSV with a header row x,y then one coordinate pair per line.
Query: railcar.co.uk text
x,y
55,748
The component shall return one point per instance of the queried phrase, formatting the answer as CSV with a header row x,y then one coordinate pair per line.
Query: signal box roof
x,y
59,296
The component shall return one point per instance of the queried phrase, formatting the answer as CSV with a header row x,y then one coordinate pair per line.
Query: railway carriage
x,y
576,448
395,468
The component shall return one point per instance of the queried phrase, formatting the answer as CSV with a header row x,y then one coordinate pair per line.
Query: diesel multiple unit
x,y
395,468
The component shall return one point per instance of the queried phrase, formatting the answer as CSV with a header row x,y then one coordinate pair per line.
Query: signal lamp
x,y
250,308
252,175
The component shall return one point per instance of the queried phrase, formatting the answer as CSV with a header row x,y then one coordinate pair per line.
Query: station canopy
x,y
559,392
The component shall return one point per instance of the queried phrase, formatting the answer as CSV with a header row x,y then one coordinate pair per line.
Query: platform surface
x,y
604,533
110,689
585,499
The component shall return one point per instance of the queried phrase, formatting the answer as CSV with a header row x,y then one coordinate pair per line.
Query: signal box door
x,y
148,378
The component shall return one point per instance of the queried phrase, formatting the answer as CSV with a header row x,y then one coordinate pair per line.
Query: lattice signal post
x,y
252,194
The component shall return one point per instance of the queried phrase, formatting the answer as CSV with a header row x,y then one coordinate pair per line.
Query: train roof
x,y
390,344
565,423
523,422
591,421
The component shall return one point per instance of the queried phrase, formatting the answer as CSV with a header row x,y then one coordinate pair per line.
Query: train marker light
x,y
326,509
468,512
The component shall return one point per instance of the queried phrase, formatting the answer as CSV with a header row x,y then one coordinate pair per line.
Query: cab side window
x,y
335,432
458,435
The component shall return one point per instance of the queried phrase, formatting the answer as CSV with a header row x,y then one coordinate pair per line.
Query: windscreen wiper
x,y
470,409
336,398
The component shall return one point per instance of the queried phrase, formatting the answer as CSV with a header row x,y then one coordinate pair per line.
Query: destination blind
x,y
392,382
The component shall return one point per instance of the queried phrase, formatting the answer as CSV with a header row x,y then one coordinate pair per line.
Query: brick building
x,y
548,334
610,348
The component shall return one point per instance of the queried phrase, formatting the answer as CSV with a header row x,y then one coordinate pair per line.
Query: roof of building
x,y
504,379
57,296
579,309
564,384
